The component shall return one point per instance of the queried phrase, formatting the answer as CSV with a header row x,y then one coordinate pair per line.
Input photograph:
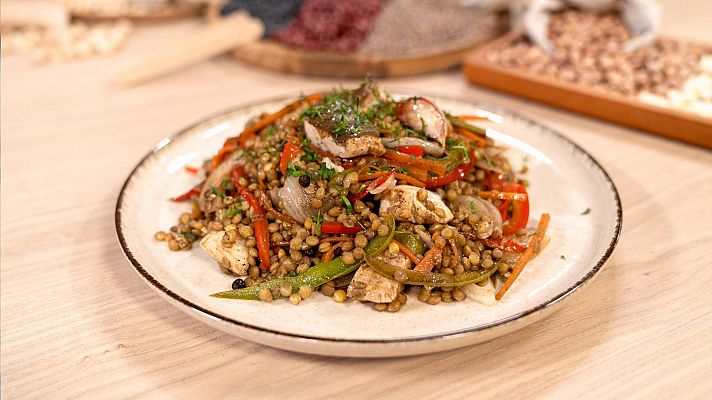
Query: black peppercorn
x,y
238,283
304,180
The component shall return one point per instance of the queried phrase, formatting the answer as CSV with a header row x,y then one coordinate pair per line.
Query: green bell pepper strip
x,y
427,278
316,275
411,241
464,125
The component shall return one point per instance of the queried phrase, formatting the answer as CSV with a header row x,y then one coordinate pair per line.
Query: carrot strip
x,y
407,252
417,173
191,170
531,251
455,252
480,142
374,175
422,163
429,260
227,149
292,139
329,254
409,179
335,239
473,118
496,194
250,132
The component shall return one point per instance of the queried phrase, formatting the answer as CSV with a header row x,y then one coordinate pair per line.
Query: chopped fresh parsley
x,y
188,235
248,153
349,208
226,185
456,145
217,192
586,211
472,207
235,209
417,133
309,154
325,172
318,219
297,171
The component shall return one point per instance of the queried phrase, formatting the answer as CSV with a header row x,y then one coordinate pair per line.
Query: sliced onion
x,y
483,207
482,164
425,238
431,148
294,200
496,217
215,179
390,183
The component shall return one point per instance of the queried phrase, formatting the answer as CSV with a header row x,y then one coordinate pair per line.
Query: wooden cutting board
x,y
628,111
159,13
278,57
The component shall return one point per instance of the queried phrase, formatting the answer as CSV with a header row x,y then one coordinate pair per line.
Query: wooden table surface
x,y
78,322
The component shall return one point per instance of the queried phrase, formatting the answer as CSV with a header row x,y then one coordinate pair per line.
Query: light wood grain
x,y
233,31
77,322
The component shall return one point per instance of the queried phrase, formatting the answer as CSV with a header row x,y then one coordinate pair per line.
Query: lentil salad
x,y
361,196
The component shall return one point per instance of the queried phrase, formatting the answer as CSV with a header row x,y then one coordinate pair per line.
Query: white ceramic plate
x,y
565,181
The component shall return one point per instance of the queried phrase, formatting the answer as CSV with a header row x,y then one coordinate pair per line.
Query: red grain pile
x,y
331,25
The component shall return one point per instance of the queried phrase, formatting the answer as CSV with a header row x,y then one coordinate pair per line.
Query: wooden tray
x,y
628,111
276,56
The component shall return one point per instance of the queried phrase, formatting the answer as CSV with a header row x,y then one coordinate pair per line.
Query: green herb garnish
x,y
318,219
349,208
309,154
217,192
325,172
188,235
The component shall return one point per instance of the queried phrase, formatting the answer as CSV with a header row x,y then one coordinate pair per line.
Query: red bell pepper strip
x,y
187,195
289,153
460,172
335,227
503,210
504,245
259,223
495,181
237,171
372,185
520,210
411,150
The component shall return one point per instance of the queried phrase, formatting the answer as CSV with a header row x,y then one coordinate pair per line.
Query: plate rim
x,y
156,285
